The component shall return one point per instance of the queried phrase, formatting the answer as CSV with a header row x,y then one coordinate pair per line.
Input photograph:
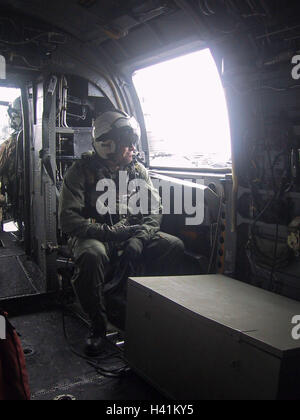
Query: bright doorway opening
x,y
185,112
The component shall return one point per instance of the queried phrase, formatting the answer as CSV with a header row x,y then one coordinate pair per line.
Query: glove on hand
x,y
121,233
145,233
136,220
116,233
134,248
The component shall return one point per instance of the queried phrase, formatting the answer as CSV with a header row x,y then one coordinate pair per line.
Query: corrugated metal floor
x,y
18,275
54,370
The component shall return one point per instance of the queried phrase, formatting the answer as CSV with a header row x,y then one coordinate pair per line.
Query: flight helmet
x,y
112,130
15,114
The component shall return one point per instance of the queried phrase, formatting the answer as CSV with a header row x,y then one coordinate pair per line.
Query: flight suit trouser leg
x,y
92,261
163,255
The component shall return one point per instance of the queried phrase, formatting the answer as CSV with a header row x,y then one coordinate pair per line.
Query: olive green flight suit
x,y
96,240
11,176
8,174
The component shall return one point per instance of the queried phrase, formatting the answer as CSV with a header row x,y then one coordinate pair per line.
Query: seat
x,y
114,292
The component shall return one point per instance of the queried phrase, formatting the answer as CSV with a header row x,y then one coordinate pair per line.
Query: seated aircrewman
x,y
11,181
96,245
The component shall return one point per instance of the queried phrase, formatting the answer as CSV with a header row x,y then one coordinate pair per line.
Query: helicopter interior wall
x,y
243,77
253,44
263,108
85,101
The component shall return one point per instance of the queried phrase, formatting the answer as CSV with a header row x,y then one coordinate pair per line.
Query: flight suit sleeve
x,y
152,221
73,221
3,158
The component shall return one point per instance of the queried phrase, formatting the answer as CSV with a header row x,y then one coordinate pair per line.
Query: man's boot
x,y
95,342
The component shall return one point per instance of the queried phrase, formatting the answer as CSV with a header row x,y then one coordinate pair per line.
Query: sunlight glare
x,y
184,106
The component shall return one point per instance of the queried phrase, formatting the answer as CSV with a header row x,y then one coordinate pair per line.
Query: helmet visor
x,y
129,131
126,131
127,137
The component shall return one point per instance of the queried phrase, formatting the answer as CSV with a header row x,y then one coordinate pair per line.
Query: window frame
x,y
159,56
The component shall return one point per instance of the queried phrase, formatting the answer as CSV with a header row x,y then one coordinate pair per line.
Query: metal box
x,y
212,337
83,141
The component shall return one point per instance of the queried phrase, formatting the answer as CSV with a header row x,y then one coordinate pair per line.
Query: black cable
x,y
277,193
115,373
271,168
112,373
265,260
264,210
275,258
208,7
203,9
274,262
11,21
252,241
251,7
28,41
216,235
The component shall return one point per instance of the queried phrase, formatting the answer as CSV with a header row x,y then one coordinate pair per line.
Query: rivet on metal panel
x,y
147,315
235,364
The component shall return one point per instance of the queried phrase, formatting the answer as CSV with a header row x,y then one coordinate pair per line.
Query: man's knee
x,y
172,243
165,245
177,245
91,254
92,258
164,255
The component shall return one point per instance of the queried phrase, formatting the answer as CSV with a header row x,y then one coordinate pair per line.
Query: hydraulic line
x,y
235,187
105,77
